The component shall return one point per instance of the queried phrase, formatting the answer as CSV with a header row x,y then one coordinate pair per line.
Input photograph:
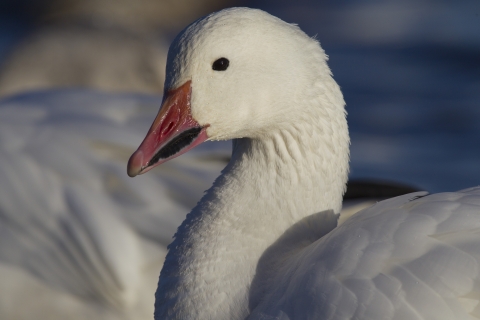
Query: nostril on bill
x,y
168,129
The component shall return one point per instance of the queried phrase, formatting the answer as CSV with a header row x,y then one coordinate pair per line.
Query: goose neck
x,y
269,185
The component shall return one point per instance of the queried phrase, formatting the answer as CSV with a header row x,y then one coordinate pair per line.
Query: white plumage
x,y
78,238
404,258
263,243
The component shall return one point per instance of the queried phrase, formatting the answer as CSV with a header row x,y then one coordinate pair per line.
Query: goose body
x,y
78,238
264,241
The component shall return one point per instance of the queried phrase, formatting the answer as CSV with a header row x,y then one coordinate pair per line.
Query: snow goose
x,y
78,238
263,243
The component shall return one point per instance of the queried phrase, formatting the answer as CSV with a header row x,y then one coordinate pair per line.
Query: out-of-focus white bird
x,y
78,238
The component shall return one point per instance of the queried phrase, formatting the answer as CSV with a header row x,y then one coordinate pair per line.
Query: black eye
x,y
220,64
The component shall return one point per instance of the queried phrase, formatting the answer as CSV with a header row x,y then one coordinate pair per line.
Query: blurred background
x,y
80,83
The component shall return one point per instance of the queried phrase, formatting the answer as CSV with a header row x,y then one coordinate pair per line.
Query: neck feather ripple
x,y
269,185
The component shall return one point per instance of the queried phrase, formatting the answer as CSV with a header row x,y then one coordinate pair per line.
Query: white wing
x,y
400,259
78,237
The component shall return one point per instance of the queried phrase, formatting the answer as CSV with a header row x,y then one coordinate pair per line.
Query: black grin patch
x,y
175,145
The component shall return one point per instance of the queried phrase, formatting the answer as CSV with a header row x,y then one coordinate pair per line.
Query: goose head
x,y
237,73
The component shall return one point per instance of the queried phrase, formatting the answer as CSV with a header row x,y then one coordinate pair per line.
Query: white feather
x,y
263,243
79,239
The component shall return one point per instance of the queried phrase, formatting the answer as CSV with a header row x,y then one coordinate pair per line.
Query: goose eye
x,y
220,64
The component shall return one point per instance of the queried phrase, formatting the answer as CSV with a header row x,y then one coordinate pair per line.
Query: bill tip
x,y
135,164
